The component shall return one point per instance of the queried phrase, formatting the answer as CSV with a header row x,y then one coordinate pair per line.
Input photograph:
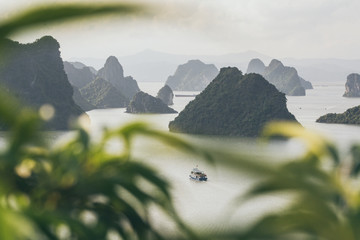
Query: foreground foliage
x,y
79,190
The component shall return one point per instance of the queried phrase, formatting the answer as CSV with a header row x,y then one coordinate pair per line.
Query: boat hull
x,y
199,179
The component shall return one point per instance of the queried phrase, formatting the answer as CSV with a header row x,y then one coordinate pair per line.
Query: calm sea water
x,y
207,205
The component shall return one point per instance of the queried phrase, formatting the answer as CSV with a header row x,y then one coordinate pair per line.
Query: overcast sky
x,y
278,28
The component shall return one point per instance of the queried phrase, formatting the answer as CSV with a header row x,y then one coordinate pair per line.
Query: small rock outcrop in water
x,y
350,116
234,105
113,72
352,86
145,103
166,95
285,79
192,76
102,94
34,73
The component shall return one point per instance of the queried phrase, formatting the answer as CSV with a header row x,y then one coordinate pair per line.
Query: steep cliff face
x,y
78,77
35,74
352,85
234,105
102,94
285,79
166,95
192,76
145,103
113,73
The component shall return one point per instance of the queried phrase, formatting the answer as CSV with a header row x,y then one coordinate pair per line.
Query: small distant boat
x,y
198,175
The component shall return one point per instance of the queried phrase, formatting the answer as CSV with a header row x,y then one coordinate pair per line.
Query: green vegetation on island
x,y
350,116
233,104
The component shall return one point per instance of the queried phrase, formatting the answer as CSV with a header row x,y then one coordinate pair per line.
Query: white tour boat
x,y
198,175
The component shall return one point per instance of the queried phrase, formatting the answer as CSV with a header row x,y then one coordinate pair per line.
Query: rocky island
x,y
166,95
107,88
34,73
233,104
113,73
192,76
350,116
145,103
352,85
285,79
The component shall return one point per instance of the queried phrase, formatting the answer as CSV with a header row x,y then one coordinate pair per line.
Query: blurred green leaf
x,y
52,13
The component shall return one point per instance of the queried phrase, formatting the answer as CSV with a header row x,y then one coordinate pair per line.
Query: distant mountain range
x,y
153,66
